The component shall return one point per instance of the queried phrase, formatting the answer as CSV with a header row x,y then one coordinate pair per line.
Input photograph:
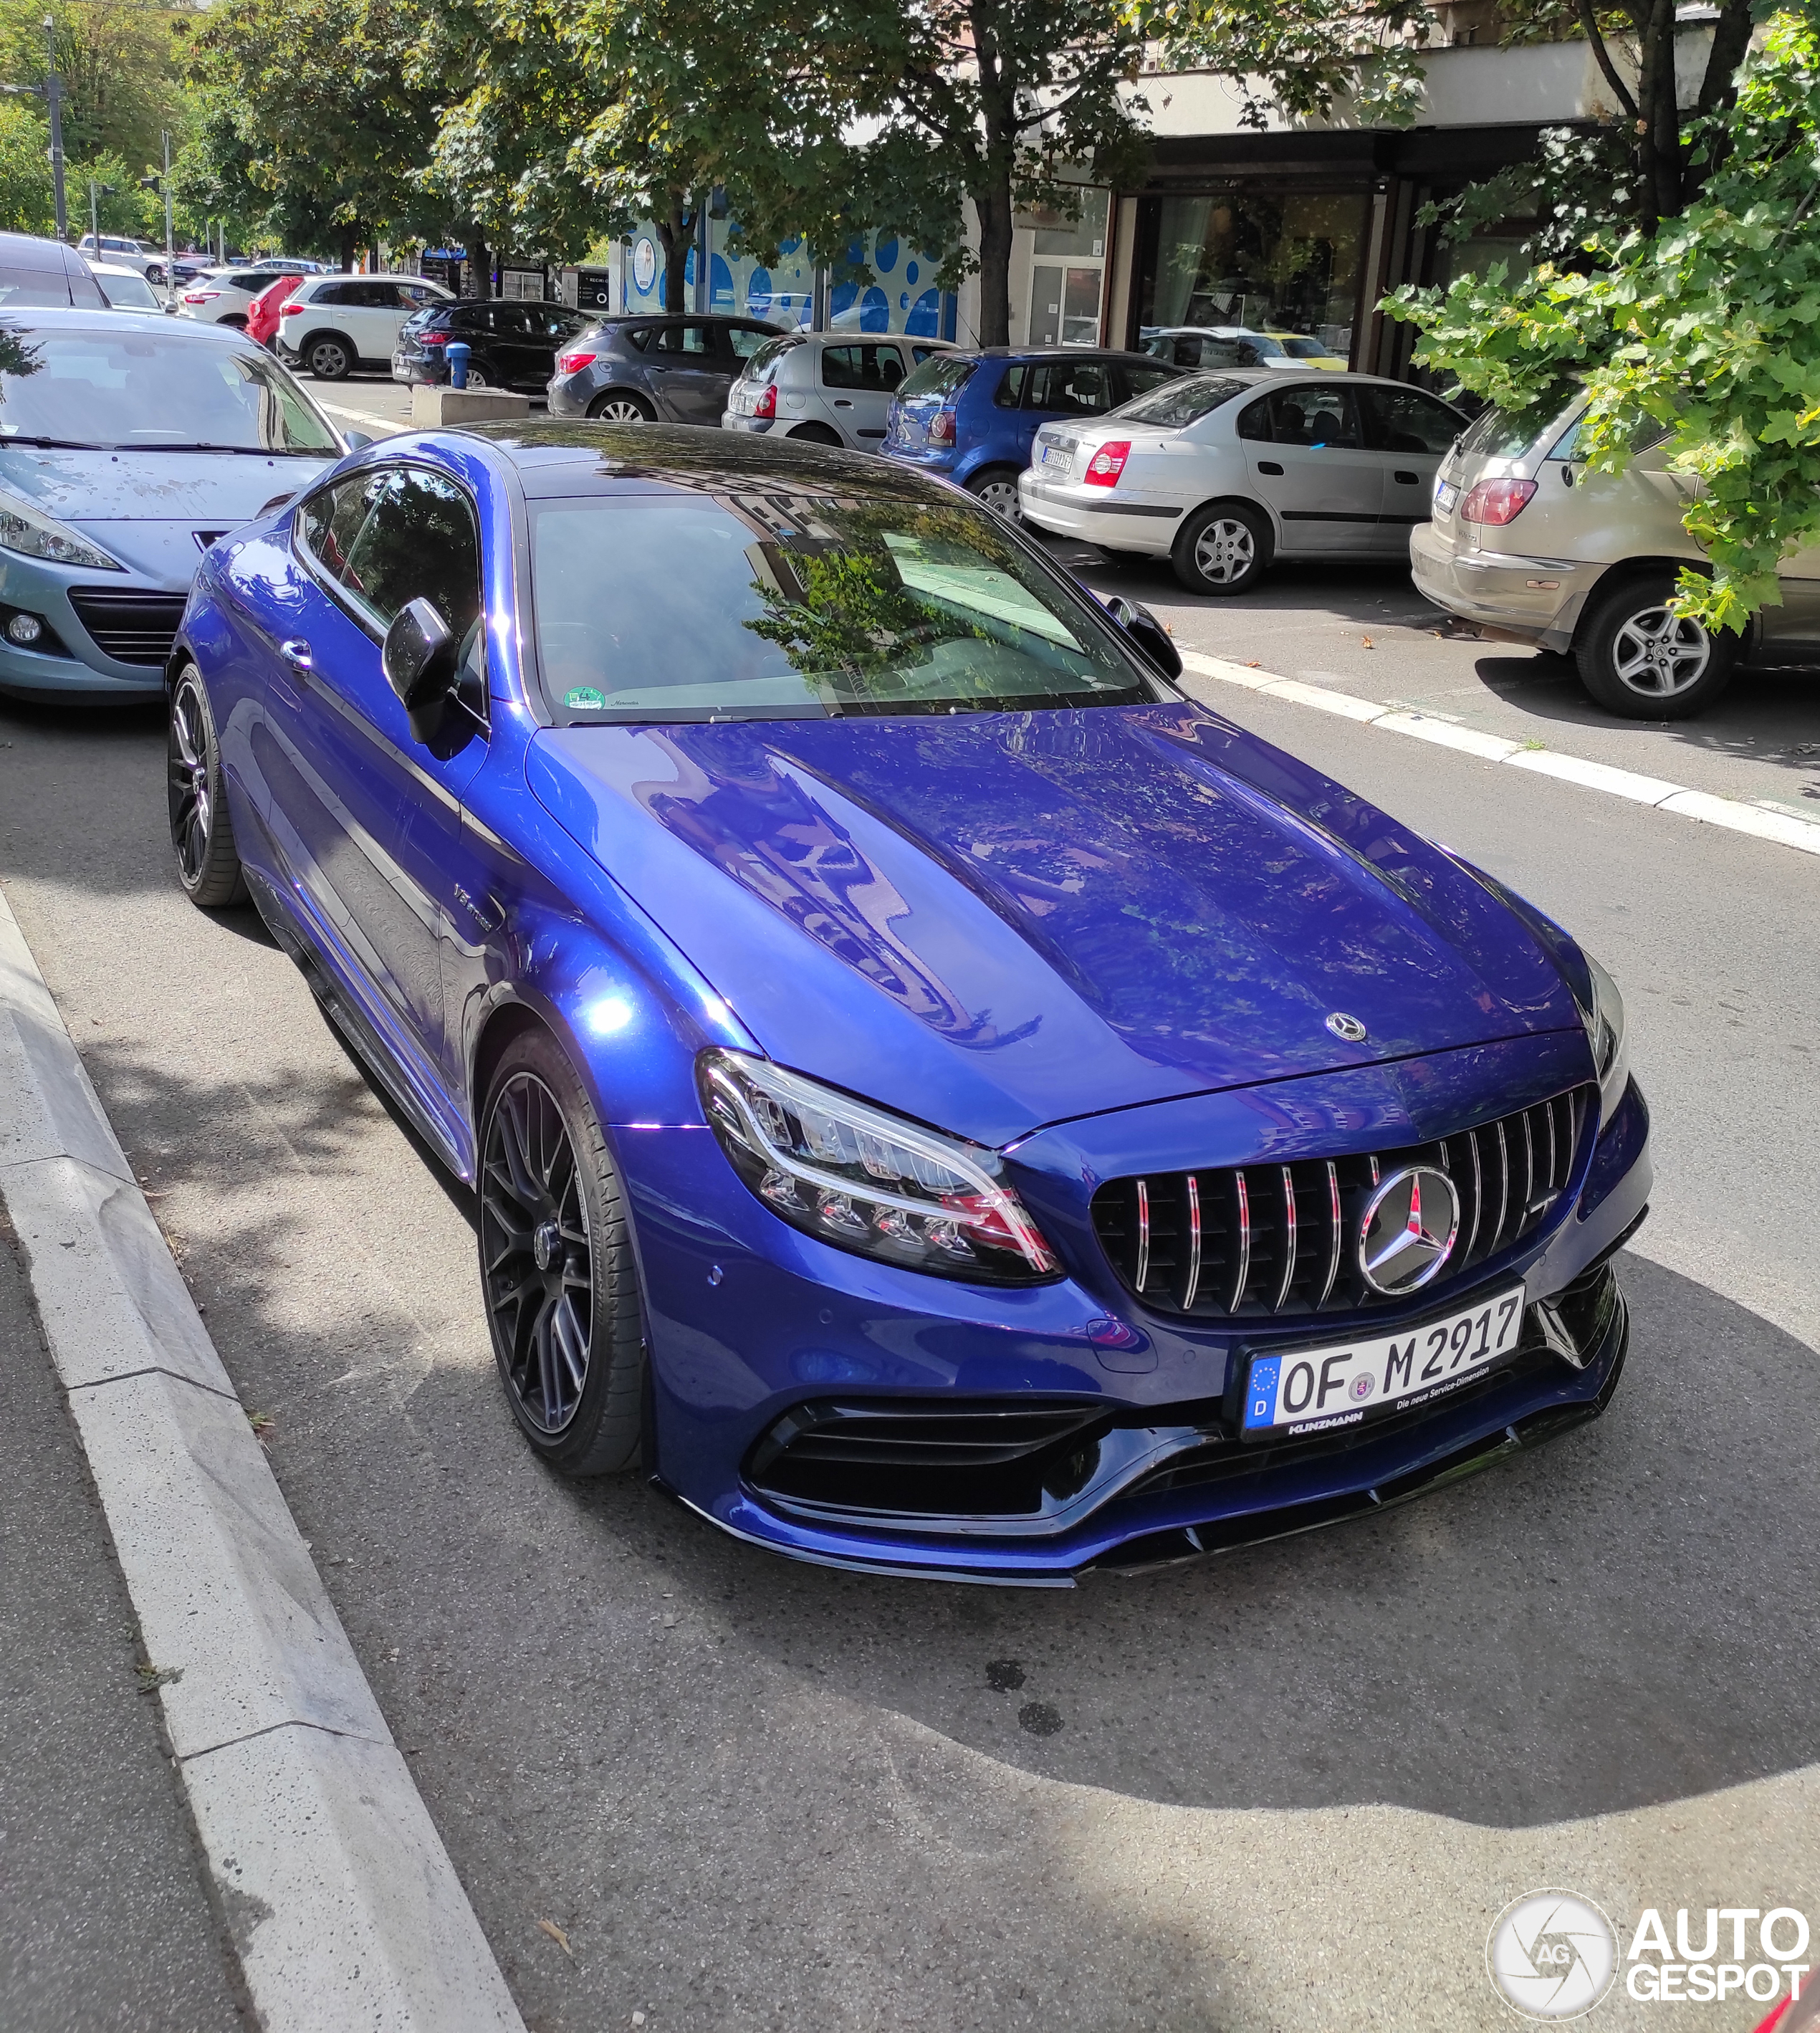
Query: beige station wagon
x,y
1534,548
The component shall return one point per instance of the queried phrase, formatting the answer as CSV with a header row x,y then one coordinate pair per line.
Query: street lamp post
x,y
95,189
53,98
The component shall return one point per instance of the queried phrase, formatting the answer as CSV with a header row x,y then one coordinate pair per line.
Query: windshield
x,y
1306,348
1178,404
126,289
783,605
137,389
940,374
1506,434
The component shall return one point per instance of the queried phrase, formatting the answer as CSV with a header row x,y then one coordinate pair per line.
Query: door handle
x,y
843,402
1408,479
296,653
1270,465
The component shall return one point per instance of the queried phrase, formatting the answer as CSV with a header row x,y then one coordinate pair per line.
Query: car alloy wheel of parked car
x,y
620,409
1639,659
556,1266
1225,549
202,828
330,359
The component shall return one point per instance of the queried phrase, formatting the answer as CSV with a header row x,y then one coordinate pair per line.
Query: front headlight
x,y
867,1181
32,535
1604,1022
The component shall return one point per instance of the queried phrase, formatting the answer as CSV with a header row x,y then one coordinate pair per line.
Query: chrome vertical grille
x,y
1277,1242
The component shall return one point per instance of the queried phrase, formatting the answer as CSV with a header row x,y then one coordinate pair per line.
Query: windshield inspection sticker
x,y
583,697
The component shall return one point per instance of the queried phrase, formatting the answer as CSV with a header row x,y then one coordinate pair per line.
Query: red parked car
x,y
262,314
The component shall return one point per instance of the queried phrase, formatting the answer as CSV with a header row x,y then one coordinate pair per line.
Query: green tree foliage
x,y
312,127
25,195
1302,58
1711,325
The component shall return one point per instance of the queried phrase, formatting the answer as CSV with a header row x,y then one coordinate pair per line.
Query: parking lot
x,y
1286,1787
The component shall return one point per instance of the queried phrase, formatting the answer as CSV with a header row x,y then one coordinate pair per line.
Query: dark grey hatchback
x,y
642,369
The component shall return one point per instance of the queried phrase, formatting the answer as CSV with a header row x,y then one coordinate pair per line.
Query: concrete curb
x,y
1762,822
344,1906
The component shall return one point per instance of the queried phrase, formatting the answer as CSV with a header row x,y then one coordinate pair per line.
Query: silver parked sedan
x,y
828,388
1222,472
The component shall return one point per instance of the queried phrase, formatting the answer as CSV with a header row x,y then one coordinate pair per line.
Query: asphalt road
x,y
1288,1788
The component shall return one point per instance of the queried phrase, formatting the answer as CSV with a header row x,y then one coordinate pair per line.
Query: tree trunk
x,y
480,262
347,237
1659,124
678,235
992,206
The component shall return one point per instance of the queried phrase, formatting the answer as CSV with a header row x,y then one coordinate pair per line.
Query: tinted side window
x,y
335,293
640,336
1140,381
1254,420
395,535
1315,417
1010,393
697,340
874,367
1405,420
746,339
1072,387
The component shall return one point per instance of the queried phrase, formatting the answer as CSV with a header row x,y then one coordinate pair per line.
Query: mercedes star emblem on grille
x,y
1348,1029
1408,1230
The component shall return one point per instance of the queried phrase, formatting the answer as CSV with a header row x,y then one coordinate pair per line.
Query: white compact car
x,y
118,252
125,289
332,324
1528,542
829,387
1237,345
1220,473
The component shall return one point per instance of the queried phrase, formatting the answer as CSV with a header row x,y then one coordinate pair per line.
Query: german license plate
x,y
1446,495
1301,1390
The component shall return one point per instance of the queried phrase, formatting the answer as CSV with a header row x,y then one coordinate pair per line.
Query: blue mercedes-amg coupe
x,y
938,1098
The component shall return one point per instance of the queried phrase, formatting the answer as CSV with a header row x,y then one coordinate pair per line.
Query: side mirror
x,y
419,663
1148,633
357,440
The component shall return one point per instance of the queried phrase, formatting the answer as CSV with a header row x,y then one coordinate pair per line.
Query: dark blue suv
x,y
971,417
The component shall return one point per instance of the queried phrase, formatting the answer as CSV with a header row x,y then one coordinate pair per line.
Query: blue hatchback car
x,y
939,1098
971,417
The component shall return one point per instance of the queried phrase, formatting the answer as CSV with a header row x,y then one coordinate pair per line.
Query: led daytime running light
x,y
31,535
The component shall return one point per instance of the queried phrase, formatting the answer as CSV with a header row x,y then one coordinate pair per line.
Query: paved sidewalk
x,y
105,1918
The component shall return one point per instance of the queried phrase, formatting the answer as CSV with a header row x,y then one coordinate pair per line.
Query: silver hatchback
x,y
1533,546
828,388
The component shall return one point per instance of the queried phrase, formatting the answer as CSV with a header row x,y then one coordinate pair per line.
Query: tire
x,y
201,826
619,406
1223,549
557,1275
997,486
815,434
477,377
1638,660
233,321
329,357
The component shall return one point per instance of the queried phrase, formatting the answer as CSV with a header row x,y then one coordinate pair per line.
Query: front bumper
x,y
1066,511
73,670
1532,600
761,1336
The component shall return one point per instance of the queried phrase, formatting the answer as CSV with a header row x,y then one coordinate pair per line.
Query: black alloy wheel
x,y
201,829
557,1268
329,358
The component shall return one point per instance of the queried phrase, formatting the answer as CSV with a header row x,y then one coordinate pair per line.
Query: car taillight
x,y
201,296
1496,501
1107,463
766,405
573,363
431,338
284,310
942,427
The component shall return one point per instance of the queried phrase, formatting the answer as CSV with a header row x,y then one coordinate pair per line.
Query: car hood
x,y
995,921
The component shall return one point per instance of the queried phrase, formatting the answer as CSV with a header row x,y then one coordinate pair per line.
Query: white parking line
x,y
1763,822
343,1905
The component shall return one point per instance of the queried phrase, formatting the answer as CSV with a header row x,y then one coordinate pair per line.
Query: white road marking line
x,y
349,1912
1763,821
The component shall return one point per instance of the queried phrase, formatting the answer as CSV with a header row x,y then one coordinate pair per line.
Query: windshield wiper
x,y
244,452
51,444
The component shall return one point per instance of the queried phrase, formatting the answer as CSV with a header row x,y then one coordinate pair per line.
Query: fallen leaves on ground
x,y
557,1935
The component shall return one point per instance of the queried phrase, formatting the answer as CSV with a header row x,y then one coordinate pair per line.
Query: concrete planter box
x,y
445,407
